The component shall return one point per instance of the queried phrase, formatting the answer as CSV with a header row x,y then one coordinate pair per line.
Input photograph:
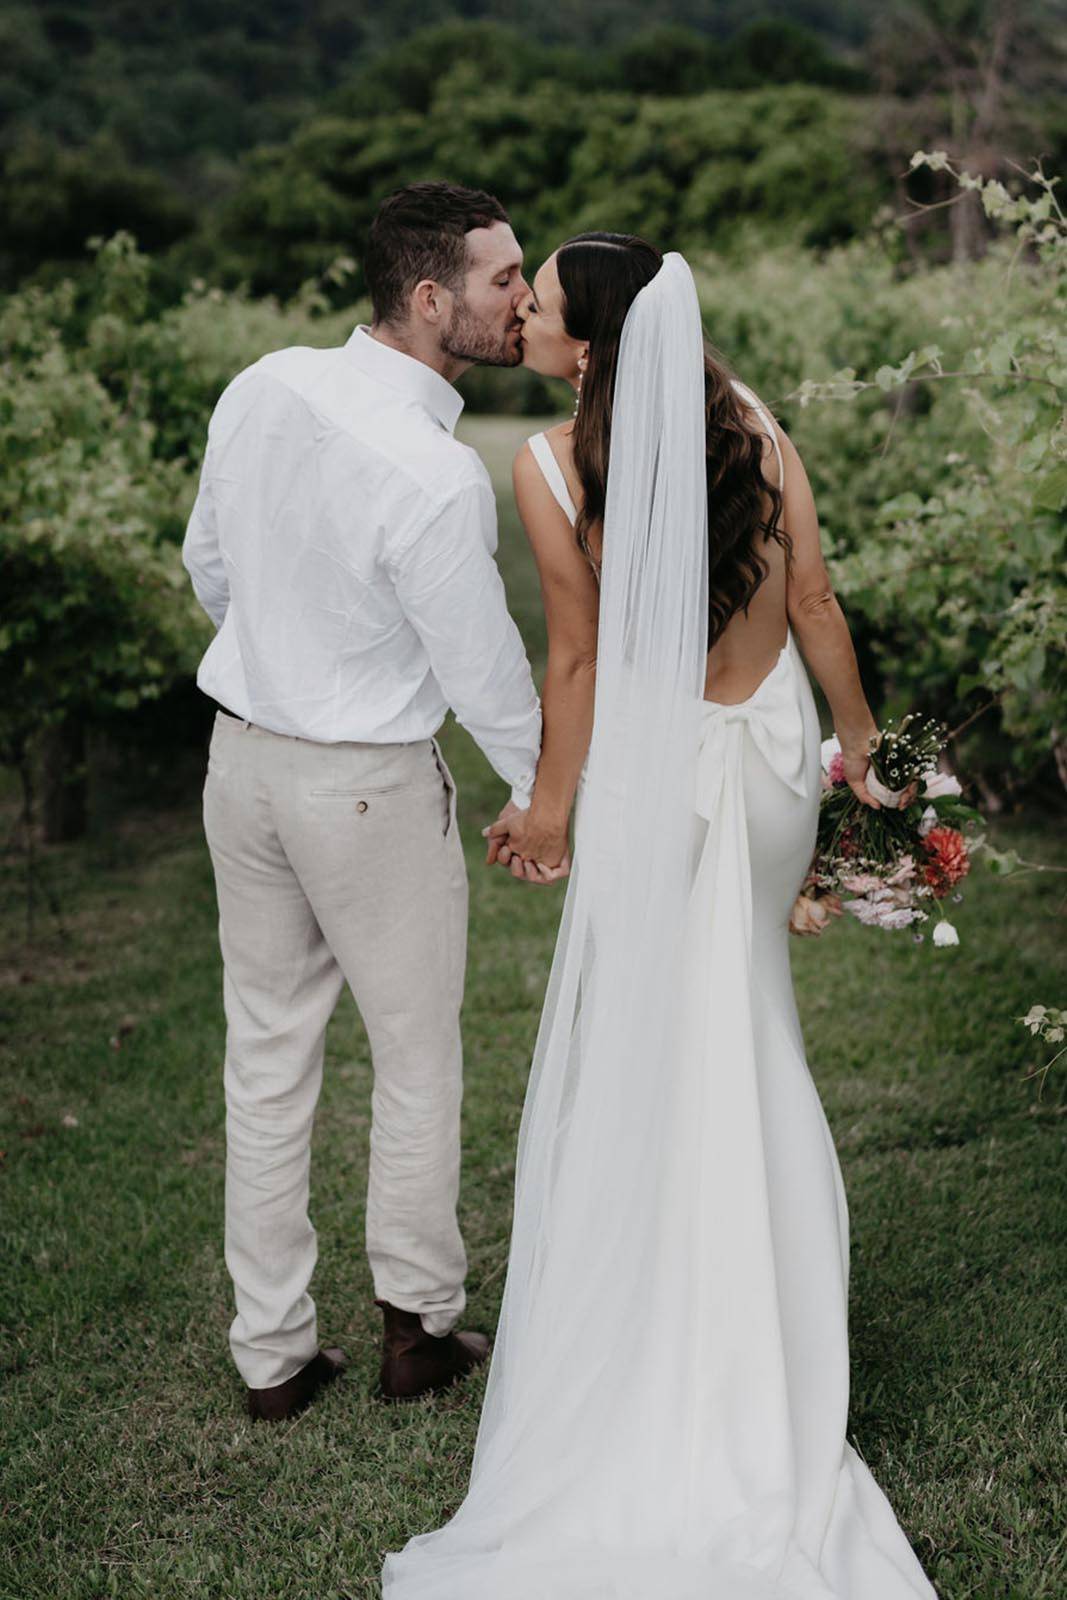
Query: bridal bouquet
x,y
898,864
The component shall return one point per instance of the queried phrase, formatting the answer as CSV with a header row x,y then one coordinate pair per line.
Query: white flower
x,y
927,821
828,749
939,785
945,934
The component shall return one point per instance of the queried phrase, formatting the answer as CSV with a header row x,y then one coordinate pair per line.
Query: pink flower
x,y
897,916
861,882
903,872
836,770
864,911
881,913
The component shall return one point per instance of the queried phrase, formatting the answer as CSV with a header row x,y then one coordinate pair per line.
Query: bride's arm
x,y
571,602
819,624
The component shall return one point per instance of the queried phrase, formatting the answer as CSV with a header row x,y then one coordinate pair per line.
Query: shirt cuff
x,y
521,798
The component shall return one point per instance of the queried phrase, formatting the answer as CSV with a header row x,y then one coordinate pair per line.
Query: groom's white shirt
x,y
342,542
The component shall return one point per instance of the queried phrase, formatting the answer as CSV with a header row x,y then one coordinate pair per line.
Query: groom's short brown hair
x,y
419,232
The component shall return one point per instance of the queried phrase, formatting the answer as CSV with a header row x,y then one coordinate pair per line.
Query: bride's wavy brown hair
x,y
600,274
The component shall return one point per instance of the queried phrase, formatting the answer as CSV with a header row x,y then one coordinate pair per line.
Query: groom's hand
x,y
497,832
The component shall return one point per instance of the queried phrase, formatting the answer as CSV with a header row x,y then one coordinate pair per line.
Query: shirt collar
x,y
407,375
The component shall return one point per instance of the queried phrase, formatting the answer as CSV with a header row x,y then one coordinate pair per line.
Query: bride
x,y
666,1405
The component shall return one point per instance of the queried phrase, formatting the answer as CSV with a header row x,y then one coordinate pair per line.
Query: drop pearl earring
x,y
578,394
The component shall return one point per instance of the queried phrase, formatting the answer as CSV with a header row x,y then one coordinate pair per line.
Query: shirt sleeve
x,y
451,592
201,556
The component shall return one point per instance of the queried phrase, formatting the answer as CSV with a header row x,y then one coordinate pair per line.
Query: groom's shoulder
x,y
405,439
413,444
293,368
443,463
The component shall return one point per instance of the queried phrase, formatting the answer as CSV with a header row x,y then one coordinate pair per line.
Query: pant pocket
x,y
449,782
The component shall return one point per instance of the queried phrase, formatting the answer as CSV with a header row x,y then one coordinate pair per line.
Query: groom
x,y
342,542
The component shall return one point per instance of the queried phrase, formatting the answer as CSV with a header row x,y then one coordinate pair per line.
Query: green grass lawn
x,y
128,1465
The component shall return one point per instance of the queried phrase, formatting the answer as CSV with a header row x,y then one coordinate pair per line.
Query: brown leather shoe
x,y
286,1399
415,1362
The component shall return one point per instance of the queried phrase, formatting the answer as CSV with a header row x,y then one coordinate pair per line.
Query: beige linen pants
x,y
335,863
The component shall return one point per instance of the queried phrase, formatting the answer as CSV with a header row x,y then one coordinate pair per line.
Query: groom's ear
x,y
431,301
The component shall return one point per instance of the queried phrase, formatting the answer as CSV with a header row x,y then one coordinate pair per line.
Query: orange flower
x,y
948,860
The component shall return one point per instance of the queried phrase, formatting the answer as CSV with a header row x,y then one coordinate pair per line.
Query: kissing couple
x,y
667,1396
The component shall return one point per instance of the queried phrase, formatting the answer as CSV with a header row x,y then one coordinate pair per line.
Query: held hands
x,y
532,849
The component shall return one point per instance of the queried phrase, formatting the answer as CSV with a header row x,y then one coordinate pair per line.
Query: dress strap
x,y
545,457
764,415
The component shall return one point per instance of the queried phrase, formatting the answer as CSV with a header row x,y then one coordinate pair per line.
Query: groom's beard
x,y
467,339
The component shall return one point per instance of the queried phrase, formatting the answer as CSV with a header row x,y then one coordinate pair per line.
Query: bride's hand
x,y
857,764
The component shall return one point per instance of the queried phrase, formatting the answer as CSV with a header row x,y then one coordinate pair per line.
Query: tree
x,y
97,615
984,75
52,199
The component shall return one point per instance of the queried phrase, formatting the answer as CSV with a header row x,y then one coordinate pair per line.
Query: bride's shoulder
x,y
775,439
559,437
559,440
562,435
750,399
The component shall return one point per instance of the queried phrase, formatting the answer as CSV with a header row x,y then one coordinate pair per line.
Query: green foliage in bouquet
x,y
848,827
907,749
904,760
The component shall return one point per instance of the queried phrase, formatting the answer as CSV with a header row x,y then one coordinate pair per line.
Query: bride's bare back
x,y
750,643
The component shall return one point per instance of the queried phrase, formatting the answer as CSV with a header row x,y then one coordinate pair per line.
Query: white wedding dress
x,y
684,1438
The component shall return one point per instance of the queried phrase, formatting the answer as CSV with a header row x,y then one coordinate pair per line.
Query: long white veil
x,y
582,1307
